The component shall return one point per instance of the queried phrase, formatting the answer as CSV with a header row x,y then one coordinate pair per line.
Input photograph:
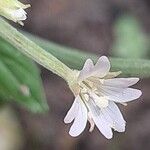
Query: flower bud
x,y
13,10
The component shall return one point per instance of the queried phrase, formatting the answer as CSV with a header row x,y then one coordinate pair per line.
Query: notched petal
x,y
86,71
99,120
71,114
102,67
80,121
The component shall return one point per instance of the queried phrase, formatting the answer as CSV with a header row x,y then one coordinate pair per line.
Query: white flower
x,y
13,10
96,92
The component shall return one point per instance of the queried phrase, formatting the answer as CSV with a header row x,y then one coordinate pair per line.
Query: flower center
x,y
89,91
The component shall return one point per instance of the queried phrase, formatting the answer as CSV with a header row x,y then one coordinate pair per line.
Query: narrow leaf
x,y
20,79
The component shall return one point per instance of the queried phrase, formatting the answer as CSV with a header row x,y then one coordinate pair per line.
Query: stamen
x,y
86,84
83,100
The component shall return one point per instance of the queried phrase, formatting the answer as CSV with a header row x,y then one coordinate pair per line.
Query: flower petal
x,y
103,126
111,75
121,82
120,94
86,71
117,121
102,67
19,14
99,120
72,111
100,101
80,121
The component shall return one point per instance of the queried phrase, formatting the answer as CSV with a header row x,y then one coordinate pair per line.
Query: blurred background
x,y
118,28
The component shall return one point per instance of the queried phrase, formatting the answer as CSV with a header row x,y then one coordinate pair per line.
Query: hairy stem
x,y
34,51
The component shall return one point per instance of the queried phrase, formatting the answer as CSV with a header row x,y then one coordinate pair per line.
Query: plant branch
x,y
32,50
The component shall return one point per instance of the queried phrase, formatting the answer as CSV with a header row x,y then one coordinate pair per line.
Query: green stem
x,y
33,51
70,56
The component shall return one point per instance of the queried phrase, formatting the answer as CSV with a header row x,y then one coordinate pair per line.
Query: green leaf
x,y
75,58
130,40
20,79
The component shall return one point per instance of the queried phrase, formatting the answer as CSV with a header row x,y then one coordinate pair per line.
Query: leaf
x,y
20,79
75,58
130,40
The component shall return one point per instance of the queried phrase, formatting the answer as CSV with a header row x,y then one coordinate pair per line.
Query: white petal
x,y
107,117
121,82
103,126
101,101
121,95
118,121
19,14
80,121
86,71
72,111
99,120
102,67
